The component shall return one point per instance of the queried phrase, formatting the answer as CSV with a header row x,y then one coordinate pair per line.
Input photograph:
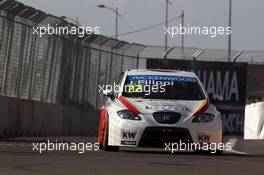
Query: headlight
x,y
204,118
127,114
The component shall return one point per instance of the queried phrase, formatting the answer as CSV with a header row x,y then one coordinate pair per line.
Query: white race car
x,y
156,108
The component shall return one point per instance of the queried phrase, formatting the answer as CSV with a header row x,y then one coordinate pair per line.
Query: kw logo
x,y
204,137
128,135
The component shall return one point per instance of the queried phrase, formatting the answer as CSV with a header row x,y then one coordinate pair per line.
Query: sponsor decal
x,y
233,122
128,134
162,78
123,142
202,137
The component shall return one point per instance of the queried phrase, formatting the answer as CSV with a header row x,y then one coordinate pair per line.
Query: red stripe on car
x,y
202,108
128,105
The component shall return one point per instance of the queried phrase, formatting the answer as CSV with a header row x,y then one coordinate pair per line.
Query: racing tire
x,y
101,146
202,152
106,147
218,152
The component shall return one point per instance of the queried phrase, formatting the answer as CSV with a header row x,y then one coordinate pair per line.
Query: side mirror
x,y
216,98
109,93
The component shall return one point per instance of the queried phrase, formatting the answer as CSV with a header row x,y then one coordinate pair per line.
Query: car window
x,y
163,87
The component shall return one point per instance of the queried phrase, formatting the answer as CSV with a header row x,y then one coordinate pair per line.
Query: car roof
x,y
160,72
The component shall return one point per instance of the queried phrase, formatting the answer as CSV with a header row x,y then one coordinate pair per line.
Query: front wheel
x,y
107,147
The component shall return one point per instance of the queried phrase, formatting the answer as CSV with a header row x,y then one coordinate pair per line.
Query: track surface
x,y
18,159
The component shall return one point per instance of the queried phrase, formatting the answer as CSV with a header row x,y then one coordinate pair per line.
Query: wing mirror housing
x,y
216,99
109,93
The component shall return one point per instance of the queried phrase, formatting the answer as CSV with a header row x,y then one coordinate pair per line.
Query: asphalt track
x,y
17,158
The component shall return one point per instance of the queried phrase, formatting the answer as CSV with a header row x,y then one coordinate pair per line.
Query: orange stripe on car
x,y
202,108
128,105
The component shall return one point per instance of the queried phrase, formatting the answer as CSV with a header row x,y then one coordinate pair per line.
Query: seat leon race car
x,y
158,108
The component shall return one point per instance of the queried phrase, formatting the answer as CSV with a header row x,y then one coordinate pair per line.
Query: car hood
x,y
149,106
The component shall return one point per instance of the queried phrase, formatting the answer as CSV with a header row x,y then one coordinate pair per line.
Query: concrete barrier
x,y
25,115
254,121
3,115
31,118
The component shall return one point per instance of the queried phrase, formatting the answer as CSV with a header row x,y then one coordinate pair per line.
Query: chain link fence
x,y
59,69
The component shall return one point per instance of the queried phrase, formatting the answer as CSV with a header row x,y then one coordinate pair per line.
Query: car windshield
x,y
162,87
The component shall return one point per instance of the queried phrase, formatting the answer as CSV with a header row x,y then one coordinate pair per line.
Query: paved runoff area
x,y
17,157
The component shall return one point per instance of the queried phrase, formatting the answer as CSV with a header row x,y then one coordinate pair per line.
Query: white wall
x,y
254,121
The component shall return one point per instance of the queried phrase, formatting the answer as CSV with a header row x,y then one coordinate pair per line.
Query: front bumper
x,y
149,133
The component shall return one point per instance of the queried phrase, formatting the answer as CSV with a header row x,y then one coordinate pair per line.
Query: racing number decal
x,y
135,88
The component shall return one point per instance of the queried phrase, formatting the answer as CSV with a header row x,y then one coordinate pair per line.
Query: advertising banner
x,y
218,78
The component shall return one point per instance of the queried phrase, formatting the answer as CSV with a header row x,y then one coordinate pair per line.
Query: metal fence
x,y
58,69
66,69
